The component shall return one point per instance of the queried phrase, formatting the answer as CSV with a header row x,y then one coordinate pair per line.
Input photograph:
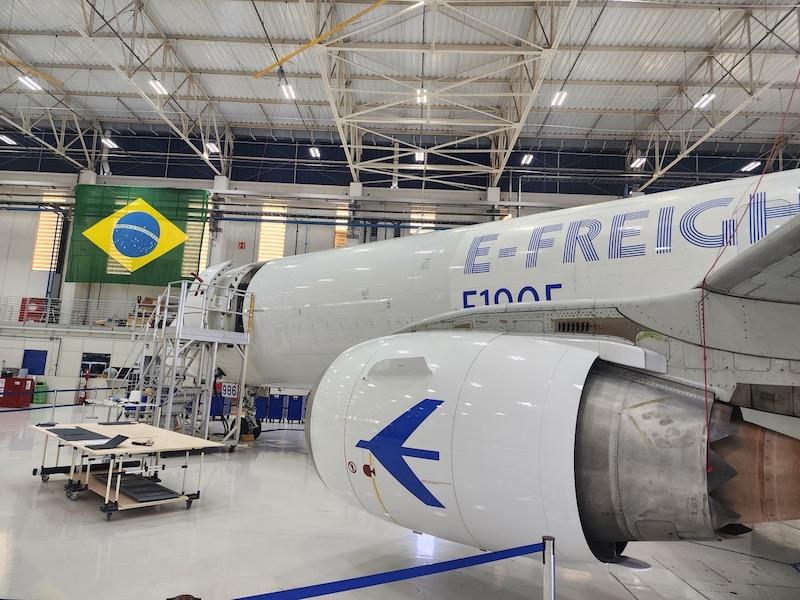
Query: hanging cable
x,y
282,80
571,69
264,28
704,291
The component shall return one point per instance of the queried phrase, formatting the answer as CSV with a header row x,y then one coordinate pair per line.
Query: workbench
x,y
127,476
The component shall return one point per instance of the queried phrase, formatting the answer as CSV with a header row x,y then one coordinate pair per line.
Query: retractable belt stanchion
x,y
549,568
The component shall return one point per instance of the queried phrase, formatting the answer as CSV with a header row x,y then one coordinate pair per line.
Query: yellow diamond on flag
x,y
135,235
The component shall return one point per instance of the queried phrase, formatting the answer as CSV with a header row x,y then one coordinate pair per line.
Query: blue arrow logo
x,y
387,447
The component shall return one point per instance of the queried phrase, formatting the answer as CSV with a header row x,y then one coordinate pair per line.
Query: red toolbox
x,y
16,392
32,309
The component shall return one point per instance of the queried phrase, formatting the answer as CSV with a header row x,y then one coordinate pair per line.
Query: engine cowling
x,y
493,440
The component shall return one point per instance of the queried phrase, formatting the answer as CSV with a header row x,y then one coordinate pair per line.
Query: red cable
x,y
704,291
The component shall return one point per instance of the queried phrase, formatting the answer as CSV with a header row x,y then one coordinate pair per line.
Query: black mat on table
x,y
139,488
76,434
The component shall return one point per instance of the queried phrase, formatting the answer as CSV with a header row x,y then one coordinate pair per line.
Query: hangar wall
x,y
17,235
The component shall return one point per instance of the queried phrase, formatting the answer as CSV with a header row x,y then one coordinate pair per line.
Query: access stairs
x,y
173,367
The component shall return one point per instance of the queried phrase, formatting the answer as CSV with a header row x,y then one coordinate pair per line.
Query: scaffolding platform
x,y
177,350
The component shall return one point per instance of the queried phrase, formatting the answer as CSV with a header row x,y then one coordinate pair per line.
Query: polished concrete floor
x,y
265,522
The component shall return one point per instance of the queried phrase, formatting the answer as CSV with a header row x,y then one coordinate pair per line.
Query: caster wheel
x,y
45,478
72,495
109,515
188,504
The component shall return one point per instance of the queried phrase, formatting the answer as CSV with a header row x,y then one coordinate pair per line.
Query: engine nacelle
x,y
493,440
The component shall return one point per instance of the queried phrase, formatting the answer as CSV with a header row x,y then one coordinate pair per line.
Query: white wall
x,y
17,236
302,239
17,229
64,354
234,232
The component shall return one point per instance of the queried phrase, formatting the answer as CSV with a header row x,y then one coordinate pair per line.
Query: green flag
x,y
145,236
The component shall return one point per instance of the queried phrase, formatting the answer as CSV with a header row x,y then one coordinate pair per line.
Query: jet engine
x,y
493,440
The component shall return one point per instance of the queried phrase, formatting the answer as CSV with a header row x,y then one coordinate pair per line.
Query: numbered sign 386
x,y
230,390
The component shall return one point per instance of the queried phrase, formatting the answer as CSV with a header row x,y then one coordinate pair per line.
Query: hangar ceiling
x,y
445,93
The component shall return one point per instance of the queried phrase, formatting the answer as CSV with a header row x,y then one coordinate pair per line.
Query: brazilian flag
x,y
145,236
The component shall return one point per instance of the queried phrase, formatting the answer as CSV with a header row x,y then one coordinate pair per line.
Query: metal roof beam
x,y
204,121
411,47
62,103
277,129
315,18
661,140
533,84
688,148
25,126
211,128
787,85
618,4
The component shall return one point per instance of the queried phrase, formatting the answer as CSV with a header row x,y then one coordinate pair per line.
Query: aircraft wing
x,y
770,270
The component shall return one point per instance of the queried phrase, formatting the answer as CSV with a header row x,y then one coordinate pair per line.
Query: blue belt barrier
x,y
344,585
48,406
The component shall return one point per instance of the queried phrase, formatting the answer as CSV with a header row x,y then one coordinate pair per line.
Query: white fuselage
x,y
310,308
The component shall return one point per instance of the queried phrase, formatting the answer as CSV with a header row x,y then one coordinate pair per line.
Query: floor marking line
x,y
344,585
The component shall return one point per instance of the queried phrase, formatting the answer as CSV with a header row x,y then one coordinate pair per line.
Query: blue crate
x,y
295,410
275,407
261,407
220,407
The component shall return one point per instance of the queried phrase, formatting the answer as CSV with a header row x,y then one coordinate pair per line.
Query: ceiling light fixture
x,y
639,162
705,100
286,87
751,166
527,159
8,140
422,97
288,90
109,143
212,147
559,98
314,152
158,87
419,156
30,83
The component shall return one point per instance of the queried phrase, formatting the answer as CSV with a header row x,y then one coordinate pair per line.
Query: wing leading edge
x,y
769,271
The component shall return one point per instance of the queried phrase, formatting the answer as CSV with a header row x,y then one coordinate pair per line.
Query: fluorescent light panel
x,y
212,147
639,162
422,97
705,100
559,98
751,166
8,140
314,152
30,83
419,156
158,87
527,159
288,91
109,143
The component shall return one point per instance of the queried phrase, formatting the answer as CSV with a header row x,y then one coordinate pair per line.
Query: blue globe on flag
x,y
136,234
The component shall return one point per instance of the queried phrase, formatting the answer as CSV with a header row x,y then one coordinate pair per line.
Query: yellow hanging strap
x,y
30,70
318,39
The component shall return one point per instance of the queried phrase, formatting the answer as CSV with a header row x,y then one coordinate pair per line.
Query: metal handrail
x,y
72,313
168,317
